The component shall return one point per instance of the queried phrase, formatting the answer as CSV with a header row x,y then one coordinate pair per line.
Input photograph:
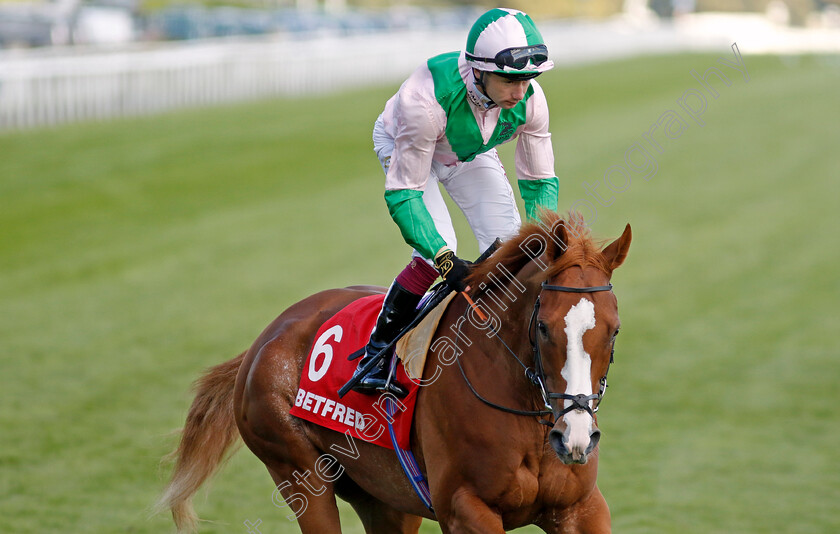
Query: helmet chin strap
x,y
479,82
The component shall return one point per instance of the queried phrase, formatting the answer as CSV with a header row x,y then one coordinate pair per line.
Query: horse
x,y
504,430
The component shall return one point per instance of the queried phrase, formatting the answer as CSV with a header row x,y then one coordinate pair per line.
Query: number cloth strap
x,y
541,193
416,225
462,131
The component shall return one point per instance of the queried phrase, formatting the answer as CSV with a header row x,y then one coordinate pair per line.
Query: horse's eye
x,y
543,330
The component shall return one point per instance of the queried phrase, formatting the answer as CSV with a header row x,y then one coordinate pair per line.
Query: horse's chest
x,y
521,492
529,491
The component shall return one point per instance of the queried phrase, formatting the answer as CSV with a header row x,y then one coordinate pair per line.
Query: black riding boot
x,y
397,311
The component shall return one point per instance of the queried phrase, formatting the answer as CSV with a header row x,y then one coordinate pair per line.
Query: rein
x,y
537,374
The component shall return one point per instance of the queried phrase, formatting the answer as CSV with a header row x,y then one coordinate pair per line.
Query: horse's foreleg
x,y
465,513
590,516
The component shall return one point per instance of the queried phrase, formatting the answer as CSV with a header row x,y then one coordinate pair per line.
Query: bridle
x,y
580,401
536,374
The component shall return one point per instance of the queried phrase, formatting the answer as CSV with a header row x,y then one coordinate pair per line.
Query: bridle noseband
x,y
537,374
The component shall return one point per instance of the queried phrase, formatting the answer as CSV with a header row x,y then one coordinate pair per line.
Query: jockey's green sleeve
x,y
541,193
413,219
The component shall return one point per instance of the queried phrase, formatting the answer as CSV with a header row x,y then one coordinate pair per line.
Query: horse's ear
x,y
559,237
616,252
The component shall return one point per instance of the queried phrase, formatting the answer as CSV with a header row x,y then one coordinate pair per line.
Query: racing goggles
x,y
517,57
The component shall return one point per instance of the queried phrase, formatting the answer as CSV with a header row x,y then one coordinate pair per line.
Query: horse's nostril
x,y
594,438
555,438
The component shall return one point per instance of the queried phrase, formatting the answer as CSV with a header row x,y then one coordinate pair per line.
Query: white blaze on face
x,y
576,372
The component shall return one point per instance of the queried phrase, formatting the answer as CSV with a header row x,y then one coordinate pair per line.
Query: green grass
x,y
134,254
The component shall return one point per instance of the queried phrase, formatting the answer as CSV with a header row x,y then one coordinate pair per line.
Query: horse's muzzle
x,y
576,454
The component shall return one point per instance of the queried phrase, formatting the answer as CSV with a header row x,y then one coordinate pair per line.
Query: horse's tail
x,y
208,434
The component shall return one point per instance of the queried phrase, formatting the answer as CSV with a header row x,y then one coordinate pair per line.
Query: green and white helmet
x,y
507,41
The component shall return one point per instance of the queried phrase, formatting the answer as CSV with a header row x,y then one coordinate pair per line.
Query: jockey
x,y
442,127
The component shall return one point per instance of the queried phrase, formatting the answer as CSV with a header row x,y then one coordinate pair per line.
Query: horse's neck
x,y
508,300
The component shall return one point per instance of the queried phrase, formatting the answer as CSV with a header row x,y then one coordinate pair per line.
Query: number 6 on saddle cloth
x,y
437,294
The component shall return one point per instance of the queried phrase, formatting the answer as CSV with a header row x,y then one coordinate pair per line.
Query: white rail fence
x,y
54,89
49,87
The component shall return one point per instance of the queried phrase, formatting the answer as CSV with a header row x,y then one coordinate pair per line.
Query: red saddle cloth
x,y
327,369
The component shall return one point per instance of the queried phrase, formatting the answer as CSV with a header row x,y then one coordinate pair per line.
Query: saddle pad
x,y
327,369
413,347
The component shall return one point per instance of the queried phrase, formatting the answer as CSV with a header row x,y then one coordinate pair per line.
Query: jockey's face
x,y
506,93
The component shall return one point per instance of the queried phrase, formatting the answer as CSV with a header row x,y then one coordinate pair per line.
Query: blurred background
x,y
173,176
69,60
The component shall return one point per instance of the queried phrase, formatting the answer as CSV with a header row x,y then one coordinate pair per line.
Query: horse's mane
x,y
559,242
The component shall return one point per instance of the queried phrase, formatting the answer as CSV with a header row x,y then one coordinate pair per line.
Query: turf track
x,y
136,253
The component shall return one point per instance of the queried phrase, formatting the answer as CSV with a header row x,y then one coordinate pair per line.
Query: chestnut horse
x,y
501,448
